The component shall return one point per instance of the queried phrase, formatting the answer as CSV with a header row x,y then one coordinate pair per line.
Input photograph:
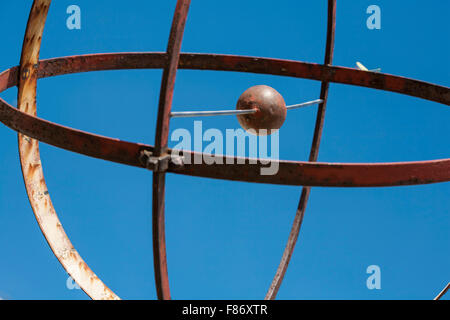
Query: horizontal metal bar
x,y
290,173
304,104
191,114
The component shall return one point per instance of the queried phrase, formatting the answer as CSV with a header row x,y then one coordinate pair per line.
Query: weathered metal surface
x,y
9,78
270,110
295,173
303,202
161,141
32,167
200,61
318,72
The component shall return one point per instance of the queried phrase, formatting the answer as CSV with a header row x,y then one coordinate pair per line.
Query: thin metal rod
x,y
443,292
304,104
190,114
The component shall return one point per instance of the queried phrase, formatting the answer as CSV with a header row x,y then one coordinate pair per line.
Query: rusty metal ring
x,y
290,173
294,173
32,170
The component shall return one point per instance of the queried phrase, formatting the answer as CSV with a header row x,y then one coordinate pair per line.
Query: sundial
x,y
260,110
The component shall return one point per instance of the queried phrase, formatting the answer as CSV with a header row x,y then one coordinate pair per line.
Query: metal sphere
x,y
270,106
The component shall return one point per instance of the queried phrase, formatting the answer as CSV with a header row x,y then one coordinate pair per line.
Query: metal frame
x,y
32,129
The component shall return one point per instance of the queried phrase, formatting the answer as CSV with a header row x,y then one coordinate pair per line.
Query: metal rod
x,y
304,104
189,114
443,292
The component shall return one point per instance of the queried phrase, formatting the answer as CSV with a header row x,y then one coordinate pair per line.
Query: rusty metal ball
x,y
270,106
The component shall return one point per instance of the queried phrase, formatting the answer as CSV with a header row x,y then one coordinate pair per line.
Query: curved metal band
x,y
303,202
291,173
295,173
32,167
161,140
217,62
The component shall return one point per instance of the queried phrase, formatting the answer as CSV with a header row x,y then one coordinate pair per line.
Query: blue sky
x,y
225,239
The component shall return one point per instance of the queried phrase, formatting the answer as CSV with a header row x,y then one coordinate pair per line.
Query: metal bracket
x,y
161,163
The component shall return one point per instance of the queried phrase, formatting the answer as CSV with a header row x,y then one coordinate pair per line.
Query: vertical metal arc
x,y
161,141
443,292
298,220
32,167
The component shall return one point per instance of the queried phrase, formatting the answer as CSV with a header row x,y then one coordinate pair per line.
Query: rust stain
x,y
30,158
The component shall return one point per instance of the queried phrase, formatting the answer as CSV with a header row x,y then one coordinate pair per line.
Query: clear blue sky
x,y
225,239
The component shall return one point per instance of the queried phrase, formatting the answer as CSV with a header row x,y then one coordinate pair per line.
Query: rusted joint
x,y
161,163
25,73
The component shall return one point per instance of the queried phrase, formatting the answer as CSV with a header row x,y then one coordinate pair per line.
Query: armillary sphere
x,y
258,108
